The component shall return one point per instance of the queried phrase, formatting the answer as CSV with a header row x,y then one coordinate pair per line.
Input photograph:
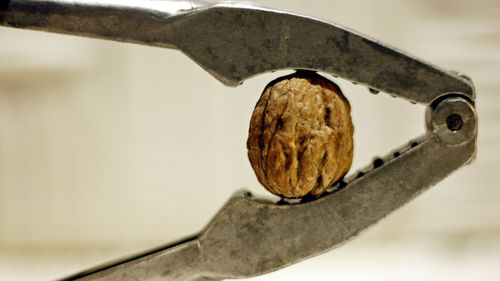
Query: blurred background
x,y
107,149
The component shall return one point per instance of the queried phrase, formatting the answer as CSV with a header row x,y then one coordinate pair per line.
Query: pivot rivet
x,y
454,122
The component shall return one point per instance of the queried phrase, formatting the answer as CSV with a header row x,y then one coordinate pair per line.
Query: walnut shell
x,y
301,135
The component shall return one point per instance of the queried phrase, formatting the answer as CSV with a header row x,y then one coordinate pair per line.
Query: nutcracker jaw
x,y
250,236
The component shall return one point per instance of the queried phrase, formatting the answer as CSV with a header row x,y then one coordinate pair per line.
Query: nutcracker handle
x,y
176,261
234,42
136,21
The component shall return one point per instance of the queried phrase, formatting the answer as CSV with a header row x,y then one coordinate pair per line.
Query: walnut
x,y
301,135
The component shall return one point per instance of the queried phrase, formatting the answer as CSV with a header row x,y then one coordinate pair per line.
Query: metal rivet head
x,y
454,122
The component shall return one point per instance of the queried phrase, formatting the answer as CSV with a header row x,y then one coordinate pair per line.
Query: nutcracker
x,y
234,42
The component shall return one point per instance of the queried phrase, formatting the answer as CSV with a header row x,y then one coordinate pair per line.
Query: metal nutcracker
x,y
234,42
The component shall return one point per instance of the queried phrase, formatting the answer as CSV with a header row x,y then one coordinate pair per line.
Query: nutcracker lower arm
x,y
250,236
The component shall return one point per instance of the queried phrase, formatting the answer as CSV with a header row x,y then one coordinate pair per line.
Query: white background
x,y
107,149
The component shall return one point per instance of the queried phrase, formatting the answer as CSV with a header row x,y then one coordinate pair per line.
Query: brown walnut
x,y
301,135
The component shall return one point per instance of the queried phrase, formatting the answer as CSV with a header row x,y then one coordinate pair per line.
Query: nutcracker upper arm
x,y
234,42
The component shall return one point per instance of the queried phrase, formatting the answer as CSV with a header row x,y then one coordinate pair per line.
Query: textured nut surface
x,y
301,135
